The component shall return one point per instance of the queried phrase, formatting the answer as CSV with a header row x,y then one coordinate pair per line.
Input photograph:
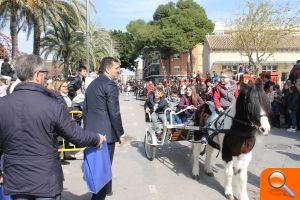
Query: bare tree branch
x,y
262,28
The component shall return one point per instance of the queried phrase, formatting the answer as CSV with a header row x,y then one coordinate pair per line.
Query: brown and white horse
x,y
238,128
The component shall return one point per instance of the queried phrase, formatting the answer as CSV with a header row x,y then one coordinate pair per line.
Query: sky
x,y
116,14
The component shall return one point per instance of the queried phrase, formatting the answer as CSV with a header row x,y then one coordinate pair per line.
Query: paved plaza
x,y
168,176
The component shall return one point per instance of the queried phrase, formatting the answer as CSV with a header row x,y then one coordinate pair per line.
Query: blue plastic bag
x,y
2,196
97,168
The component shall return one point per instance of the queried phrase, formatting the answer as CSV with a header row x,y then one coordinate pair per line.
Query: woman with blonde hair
x,y
61,93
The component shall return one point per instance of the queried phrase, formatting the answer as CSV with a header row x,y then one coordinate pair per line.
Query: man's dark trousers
x,y
108,187
29,197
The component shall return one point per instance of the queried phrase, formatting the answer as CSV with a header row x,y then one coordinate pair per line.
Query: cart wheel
x,y
150,150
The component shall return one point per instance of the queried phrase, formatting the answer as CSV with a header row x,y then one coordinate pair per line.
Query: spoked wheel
x,y
150,150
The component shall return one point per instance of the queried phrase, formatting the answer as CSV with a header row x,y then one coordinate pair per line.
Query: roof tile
x,y
226,42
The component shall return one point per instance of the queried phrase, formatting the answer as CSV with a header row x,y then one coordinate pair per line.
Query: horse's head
x,y
253,106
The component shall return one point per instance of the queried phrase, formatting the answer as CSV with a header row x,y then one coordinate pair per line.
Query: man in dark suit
x,y
103,111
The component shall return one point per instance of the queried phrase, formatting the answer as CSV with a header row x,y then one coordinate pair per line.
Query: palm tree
x,y
28,15
8,12
62,43
101,45
39,15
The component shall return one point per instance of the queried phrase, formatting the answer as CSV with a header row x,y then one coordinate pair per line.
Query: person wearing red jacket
x,y
225,92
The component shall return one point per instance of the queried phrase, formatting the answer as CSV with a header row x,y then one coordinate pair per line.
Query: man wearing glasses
x,y
30,121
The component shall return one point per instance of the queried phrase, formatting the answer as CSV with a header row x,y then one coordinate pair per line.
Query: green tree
x,y
181,27
164,11
144,35
126,48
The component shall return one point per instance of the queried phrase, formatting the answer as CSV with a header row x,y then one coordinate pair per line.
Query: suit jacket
x,y
102,112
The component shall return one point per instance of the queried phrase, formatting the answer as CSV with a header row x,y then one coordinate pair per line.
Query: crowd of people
x,y
35,114
31,104
188,96
219,91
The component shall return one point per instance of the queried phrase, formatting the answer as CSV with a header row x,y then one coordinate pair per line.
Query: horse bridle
x,y
250,123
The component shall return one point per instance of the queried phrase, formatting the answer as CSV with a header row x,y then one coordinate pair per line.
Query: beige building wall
x,y
284,60
139,69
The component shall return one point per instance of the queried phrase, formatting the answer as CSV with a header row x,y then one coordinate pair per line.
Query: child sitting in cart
x,y
155,105
190,98
224,94
173,101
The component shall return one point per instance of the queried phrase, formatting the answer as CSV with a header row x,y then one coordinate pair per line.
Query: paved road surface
x,y
169,175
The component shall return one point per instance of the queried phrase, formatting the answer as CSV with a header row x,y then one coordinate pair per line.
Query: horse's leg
x,y
243,177
228,180
208,161
195,157
196,146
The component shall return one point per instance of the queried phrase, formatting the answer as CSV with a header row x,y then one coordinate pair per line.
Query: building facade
x,y
139,69
220,53
158,69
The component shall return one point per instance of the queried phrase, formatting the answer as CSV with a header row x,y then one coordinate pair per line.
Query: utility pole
x,y
87,37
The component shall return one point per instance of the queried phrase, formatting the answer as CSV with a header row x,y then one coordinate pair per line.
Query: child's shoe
x,y
203,141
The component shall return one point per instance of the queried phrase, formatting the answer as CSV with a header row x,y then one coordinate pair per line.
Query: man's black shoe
x,y
109,193
64,162
70,158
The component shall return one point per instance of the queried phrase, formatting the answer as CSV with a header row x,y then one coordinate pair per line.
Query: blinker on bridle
x,y
250,123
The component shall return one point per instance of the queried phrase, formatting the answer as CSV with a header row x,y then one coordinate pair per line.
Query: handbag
x,y
97,167
2,195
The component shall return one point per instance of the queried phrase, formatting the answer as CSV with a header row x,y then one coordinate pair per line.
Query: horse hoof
x,y
230,197
210,174
196,177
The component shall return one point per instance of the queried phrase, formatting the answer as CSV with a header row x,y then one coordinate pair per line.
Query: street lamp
x,y
87,37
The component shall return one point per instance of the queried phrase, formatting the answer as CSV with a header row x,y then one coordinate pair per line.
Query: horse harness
x,y
217,130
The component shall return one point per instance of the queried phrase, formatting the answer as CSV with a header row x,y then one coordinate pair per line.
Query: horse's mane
x,y
250,101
